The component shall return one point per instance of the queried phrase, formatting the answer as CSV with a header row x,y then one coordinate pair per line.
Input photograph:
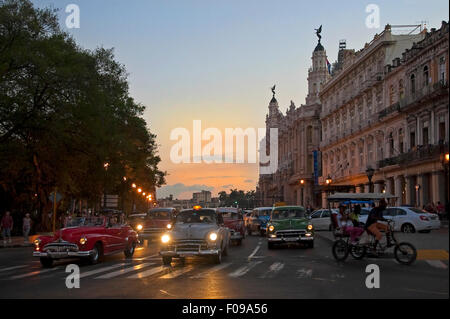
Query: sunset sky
x,y
215,61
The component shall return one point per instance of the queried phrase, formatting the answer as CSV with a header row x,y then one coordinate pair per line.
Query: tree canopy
x,y
64,112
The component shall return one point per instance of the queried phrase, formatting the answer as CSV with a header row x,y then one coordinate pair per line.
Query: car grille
x,y
153,230
60,247
290,233
189,245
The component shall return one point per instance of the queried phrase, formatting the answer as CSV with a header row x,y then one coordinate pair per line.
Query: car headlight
x,y
139,227
165,238
271,228
213,236
37,242
83,240
309,227
169,226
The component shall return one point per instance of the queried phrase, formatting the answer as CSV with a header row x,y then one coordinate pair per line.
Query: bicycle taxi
x,y
405,253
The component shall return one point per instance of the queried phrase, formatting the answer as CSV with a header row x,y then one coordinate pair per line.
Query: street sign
x,y
52,197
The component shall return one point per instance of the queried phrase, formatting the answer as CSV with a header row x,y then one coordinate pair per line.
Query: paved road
x,y
250,271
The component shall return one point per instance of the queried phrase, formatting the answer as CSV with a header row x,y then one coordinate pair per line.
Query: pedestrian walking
x,y
26,227
440,210
6,226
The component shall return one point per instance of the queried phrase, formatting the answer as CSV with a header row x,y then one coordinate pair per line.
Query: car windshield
x,y
288,213
135,219
196,216
263,212
417,210
159,214
84,222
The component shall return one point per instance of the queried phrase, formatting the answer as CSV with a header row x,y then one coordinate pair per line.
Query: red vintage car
x,y
234,220
156,222
89,238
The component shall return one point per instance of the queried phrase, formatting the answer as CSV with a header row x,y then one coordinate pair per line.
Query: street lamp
x,y
369,172
328,180
105,166
302,181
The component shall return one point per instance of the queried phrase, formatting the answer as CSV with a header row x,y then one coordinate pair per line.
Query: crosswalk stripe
x,y
12,268
273,270
147,273
211,270
156,256
33,273
304,273
437,264
245,269
177,273
123,271
97,271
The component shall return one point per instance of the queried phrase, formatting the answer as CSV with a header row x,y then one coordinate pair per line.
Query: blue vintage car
x,y
258,221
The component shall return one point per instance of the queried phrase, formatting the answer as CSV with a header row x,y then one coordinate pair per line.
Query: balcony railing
x,y
421,153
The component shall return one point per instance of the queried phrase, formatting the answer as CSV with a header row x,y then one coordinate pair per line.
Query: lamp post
x,y
445,159
369,172
105,166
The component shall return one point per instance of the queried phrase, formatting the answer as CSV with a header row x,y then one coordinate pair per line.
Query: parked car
x,y
234,220
89,238
407,219
156,222
321,219
289,224
259,219
196,232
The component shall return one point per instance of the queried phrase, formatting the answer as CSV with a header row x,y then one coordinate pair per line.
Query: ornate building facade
x,y
387,111
383,112
298,142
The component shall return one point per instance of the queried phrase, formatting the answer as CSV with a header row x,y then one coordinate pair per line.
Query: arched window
x,y
413,84
309,135
425,75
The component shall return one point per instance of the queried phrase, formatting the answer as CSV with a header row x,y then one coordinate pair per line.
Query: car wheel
x,y
408,228
46,262
130,250
270,245
311,244
217,259
239,242
262,232
167,260
426,231
96,254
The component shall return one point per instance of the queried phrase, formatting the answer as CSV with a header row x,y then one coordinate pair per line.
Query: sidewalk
x,y
17,241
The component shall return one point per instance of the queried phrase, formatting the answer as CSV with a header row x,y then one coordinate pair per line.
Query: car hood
x,y
292,223
192,231
73,234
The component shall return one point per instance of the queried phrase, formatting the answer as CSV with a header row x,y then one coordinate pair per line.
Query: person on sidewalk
x,y
26,227
6,226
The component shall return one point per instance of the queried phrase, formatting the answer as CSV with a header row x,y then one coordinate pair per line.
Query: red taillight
x,y
424,218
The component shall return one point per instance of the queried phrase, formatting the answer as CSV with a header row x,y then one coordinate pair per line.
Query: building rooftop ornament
x,y
274,100
319,46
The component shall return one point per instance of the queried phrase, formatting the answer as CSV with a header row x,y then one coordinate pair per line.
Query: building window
x,y
361,157
425,76
413,84
310,164
412,139
442,134
370,152
391,94
442,69
400,140
309,135
425,136
401,90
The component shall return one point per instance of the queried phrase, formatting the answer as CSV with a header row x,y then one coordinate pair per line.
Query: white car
x,y
407,219
321,219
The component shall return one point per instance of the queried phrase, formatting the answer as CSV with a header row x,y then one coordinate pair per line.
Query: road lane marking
x,y
97,271
432,254
304,273
177,273
123,271
273,270
12,268
211,270
437,264
149,272
33,273
254,252
244,269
